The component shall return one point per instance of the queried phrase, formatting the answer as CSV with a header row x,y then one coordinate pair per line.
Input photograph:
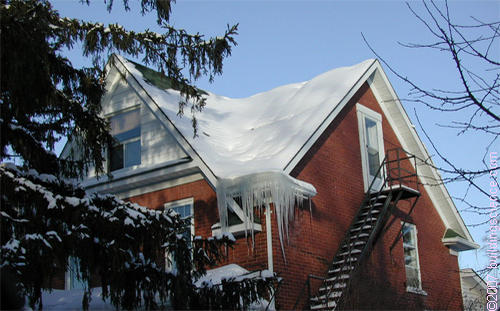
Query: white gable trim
x,y
155,109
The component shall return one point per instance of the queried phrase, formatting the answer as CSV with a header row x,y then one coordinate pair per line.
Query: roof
x,y
240,136
272,131
471,274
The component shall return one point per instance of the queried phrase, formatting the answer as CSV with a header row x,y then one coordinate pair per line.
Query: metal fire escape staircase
x,y
397,184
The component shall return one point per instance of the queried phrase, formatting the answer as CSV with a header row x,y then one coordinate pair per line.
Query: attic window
x,y
126,130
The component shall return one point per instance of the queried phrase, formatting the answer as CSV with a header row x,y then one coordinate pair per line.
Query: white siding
x,y
157,144
121,97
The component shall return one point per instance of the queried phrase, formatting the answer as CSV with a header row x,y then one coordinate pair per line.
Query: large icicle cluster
x,y
259,190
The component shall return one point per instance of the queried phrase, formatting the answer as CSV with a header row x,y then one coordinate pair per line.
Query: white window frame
x,y
127,141
70,281
171,205
363,112
239,229
414,233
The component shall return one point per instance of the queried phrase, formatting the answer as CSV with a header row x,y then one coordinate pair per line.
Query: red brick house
x,y
316,180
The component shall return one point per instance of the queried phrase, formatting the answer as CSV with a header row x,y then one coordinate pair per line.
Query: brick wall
x,y
205,215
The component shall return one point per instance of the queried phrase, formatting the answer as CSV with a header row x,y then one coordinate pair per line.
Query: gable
x,y
157,144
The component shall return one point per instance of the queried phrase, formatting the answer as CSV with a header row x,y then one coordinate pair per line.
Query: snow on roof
x,y
240,136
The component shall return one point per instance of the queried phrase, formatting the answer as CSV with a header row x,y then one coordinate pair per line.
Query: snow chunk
x,y
12,245
128,222
73,201
215,276
54,234
48,178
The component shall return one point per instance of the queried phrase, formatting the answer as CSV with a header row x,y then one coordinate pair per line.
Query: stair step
x,y
330,304
380,197
336,287
335,293
354,244
354,251
323,297
367,220
351,259
375,205
365,227
359,236
337,278
374,211
346,268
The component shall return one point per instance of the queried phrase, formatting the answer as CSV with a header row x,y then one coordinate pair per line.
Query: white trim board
x,y
155,109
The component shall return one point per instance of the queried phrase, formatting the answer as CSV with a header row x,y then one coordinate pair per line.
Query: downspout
x,y
269,237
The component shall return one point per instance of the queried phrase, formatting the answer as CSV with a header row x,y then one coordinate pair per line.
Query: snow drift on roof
x,y
258,133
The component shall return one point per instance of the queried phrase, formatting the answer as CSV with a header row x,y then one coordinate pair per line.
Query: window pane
x,y
410,257
371,133
133,133
412,278
74,269
125,122
372,146
408,236
132,153
185,212
373,161
116,157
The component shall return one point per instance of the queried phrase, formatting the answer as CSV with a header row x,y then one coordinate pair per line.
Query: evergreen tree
x,y
45,218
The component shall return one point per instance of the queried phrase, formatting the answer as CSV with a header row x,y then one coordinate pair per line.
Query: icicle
x,y
258,189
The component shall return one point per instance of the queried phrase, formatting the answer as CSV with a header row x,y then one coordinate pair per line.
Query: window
x,y
126,150
72,281
185,209
412,266
372,146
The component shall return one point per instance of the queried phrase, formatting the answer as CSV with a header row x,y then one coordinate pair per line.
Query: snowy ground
x,y
72,299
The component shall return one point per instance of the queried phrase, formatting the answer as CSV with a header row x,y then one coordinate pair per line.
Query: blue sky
x,y
283,42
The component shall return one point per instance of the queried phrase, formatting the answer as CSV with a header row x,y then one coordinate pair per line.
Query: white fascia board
x,y
155,109
161,185
415,145
328,120
459,244
132,178
113,77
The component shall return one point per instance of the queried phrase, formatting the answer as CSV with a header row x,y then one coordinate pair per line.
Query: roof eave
x,y
459,244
